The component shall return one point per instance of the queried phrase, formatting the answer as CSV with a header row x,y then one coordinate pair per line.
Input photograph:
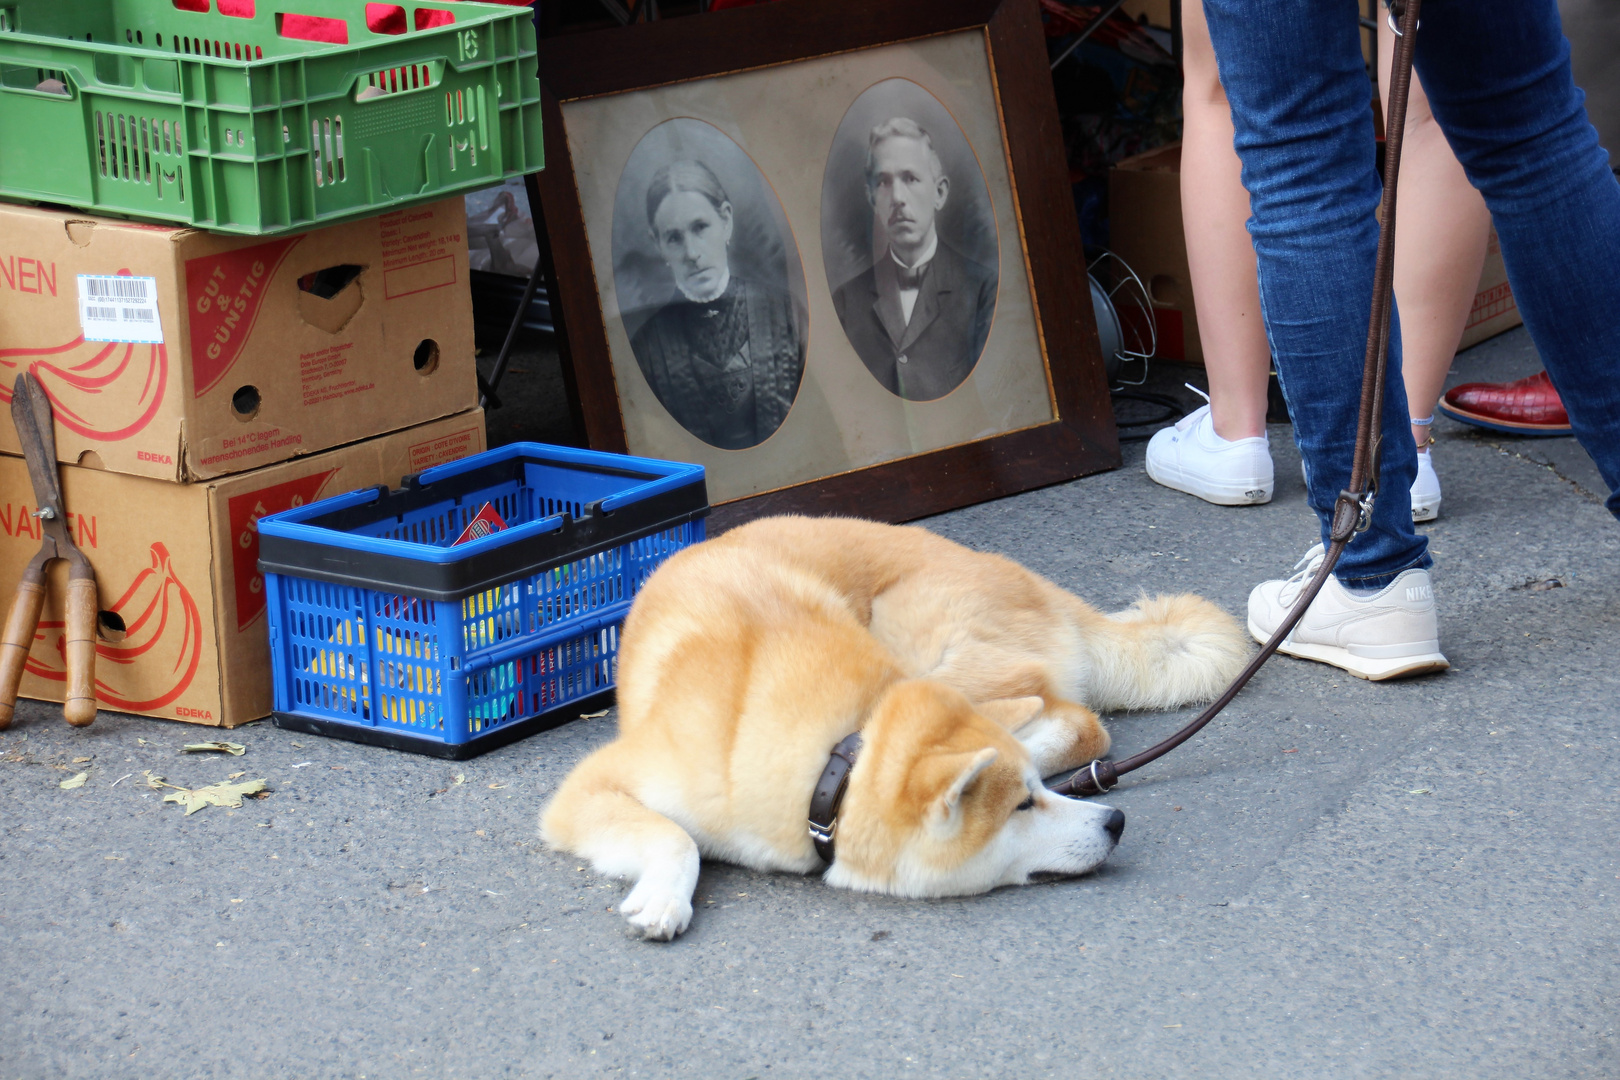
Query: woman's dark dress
x,y
727,370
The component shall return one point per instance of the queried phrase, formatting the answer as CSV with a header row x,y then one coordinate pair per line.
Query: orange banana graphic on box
x,y
163,634
78,375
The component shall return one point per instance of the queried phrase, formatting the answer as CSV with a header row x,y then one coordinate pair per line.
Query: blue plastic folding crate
x,y
383,630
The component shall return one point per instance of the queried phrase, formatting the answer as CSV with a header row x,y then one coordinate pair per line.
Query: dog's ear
x,y
973,768
1011,713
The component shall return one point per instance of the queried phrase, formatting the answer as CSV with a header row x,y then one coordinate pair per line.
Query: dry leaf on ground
x,y
76,781
236,749
228,795
594,715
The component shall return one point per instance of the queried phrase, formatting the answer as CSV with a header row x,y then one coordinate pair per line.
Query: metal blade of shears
x,y
31,413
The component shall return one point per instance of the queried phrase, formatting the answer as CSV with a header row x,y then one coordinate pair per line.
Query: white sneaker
x,y
1190,457
1382,635
1425,490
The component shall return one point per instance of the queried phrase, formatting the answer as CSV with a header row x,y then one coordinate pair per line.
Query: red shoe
x,y
1527,407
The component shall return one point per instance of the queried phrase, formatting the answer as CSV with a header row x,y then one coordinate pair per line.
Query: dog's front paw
x,y
656,910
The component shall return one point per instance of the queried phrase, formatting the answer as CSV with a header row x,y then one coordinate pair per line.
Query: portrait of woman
x,y
722,343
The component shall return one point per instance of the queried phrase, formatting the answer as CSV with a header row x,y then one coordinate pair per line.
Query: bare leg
x,y
1220,255
1444,227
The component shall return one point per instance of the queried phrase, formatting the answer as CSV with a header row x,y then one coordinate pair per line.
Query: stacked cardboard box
x,y
1145,229
199,382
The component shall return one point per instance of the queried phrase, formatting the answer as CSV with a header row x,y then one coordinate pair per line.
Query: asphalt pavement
x,y
1336,879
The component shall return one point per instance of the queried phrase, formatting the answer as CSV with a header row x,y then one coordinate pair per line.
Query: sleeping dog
x,y
747,660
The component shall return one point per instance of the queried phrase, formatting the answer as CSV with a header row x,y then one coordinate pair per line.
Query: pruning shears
x,y
31,413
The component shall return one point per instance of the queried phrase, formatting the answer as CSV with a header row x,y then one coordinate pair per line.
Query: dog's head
x,y
945,802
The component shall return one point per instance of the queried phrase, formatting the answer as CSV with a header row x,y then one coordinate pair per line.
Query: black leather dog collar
x,y
829,794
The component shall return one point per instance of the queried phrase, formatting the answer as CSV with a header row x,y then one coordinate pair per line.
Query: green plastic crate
x,y
217,118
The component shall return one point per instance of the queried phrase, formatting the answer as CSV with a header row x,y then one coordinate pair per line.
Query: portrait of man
x,y
919,314
721,344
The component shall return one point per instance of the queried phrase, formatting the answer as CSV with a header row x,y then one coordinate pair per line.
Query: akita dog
x,y
746,659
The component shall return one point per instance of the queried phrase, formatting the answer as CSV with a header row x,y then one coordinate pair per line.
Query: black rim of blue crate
x,y
576,538
394,739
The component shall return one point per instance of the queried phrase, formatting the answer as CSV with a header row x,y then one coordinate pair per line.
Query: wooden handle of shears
x,y
79,647
19,638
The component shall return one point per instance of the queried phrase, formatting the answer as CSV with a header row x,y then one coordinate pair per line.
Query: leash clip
x,y
1397,29
1362,505
1364,518
1397,10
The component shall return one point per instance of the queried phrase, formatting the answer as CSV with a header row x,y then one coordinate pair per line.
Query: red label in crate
x,y
487,521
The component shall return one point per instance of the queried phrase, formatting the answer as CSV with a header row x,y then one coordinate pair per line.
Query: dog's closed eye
x,y
1027,804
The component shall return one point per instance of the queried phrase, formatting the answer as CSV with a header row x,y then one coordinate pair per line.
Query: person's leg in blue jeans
x,y
1508,104
1297,83
1295,76
1498,80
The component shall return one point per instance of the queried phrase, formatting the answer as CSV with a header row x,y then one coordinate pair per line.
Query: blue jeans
x,y
1498,80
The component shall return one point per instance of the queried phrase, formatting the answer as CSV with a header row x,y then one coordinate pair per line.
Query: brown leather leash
x,y
1353,511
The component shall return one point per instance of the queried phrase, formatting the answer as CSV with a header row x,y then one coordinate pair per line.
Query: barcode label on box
x,y
116,307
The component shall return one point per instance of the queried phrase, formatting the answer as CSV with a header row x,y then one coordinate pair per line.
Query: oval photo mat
x,y
762,245
967,221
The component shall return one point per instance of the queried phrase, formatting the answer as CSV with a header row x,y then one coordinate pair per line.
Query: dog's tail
x,y
1163,652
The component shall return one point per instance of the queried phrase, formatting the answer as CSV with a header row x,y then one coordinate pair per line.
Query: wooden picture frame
x,y
1077,436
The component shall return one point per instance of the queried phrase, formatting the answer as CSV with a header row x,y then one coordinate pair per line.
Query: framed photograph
x,y
827,249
